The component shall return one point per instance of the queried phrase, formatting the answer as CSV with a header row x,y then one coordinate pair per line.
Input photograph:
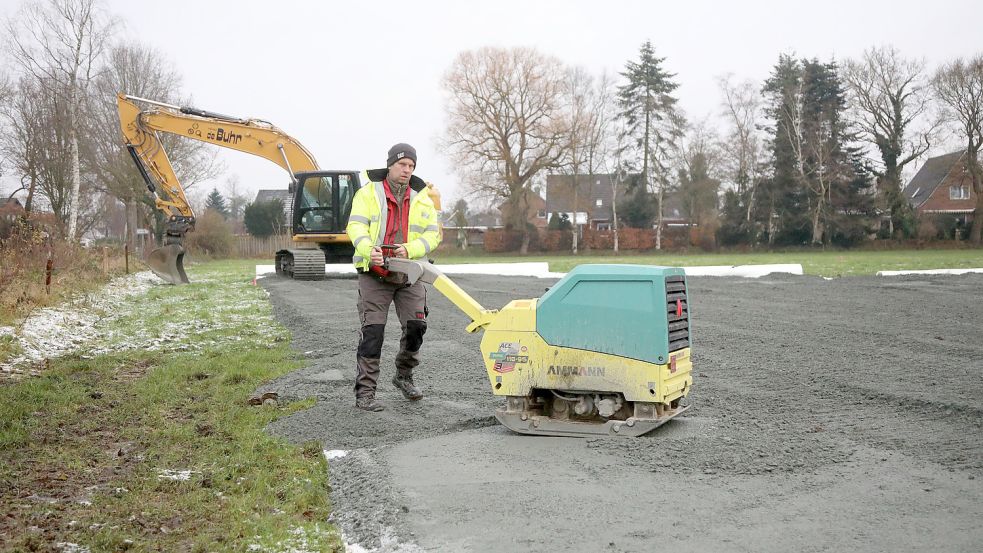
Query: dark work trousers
x,y
374,298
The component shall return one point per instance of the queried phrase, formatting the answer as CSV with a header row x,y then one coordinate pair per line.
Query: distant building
x,y
537,214
943,185
282,195
595,197
10,209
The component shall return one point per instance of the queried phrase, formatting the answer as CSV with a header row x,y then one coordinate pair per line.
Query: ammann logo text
x,y
569,370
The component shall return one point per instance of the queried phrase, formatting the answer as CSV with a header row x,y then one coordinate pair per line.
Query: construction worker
x,y
392,215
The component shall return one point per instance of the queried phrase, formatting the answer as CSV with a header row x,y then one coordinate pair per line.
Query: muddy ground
x,y
838,414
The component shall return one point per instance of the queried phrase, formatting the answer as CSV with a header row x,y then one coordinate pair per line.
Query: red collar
x,y
389,192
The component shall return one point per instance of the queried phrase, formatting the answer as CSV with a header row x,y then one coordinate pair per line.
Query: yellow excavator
x,y
320,200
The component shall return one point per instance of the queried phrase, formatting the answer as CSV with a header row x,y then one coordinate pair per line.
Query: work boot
x,y
405,385
368,403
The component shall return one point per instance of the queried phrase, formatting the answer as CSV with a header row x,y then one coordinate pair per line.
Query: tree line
x,y
813,155
59,124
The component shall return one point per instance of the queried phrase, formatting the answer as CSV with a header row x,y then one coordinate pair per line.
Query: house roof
x,y
270,195
590,188
10,205
485,219
559,197
534,199
929,177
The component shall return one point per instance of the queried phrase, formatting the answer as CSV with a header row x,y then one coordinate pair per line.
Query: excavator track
x,y
300,264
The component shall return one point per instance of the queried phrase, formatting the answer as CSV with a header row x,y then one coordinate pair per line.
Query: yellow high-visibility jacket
x,y
367,222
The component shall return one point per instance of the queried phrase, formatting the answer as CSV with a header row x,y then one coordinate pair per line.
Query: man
x,y
392,215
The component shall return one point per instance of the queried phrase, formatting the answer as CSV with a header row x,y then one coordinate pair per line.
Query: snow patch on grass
x,y
56,331
69,547
302,540
179,475
139,312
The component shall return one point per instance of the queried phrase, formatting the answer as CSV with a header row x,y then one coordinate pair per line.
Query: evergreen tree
x,y
459,213
559,221
811,159
826,166
698,191
216,202
734,226
782,209
263,219
637,208
651,127
853,213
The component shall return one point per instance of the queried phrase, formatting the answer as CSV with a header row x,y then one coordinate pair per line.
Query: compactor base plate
x,y
541,425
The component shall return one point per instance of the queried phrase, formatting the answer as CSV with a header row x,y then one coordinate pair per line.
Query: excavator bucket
x,y
167,262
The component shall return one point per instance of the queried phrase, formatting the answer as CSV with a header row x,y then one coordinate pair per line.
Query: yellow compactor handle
x,y
416,269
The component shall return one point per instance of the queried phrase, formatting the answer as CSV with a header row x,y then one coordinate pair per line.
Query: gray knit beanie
x,y
400,151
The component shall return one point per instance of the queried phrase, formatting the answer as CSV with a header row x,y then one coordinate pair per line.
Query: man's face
x,y
401,171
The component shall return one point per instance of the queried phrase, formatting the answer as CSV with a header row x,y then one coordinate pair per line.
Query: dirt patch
x,y
816,403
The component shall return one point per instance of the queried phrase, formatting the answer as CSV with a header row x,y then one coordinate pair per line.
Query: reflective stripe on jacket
x,y
366,224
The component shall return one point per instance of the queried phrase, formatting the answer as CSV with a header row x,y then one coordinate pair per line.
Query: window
x,y
604,226
316,209
599,202
959,192
541,214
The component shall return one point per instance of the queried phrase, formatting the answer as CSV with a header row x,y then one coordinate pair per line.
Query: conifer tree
x,y
216,202
652,125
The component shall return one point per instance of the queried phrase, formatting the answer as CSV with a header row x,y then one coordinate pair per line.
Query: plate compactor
x,y
605,351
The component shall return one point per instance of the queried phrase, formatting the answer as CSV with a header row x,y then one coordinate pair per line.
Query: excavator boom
x,y
320,203
141,128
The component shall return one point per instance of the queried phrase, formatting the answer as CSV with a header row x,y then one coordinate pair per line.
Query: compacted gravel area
x,y
841,414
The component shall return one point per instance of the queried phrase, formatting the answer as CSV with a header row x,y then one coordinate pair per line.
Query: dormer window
x,y
959,192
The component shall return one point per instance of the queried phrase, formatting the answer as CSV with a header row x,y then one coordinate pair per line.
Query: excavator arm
x,y
324,194
141,134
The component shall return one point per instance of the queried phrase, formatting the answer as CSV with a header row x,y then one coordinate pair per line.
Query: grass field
x,y
827,263
145,440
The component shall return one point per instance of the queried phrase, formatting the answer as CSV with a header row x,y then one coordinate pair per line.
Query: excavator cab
x,y
322,201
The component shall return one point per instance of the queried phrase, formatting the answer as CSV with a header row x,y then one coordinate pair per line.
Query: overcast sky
x,y
349,79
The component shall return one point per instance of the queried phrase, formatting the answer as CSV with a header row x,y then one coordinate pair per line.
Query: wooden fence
x,y
249,246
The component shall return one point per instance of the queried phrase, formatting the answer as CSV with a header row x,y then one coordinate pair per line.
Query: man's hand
x,y
400,251
376,258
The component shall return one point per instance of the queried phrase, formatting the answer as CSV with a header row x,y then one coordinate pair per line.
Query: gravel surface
x,y
826,414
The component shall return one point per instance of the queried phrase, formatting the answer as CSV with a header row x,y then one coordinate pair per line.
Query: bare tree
x,y
891,100
21,143
505,123
700,159
6,97
581,103
744,145
959,86
144,72
60,43
599,137
236,196
35,142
